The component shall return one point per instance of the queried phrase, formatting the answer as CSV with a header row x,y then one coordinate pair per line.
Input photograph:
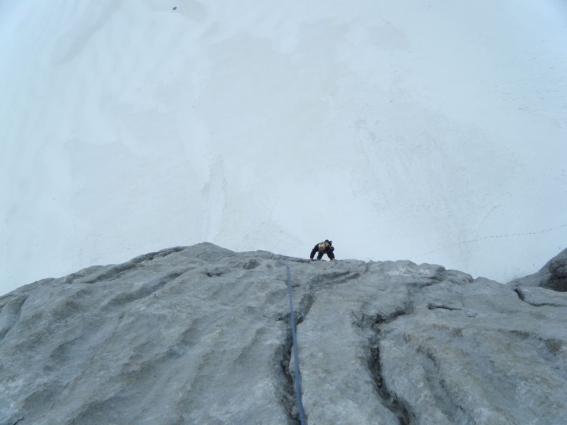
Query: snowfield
x,y
430,131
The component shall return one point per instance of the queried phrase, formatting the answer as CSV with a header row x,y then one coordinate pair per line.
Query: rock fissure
x,y
381,319
443,307
397,406
301,312
388,399
322,281
545,304
288,398
305,305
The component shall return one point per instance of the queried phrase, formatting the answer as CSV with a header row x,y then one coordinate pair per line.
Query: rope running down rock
x,y
295,357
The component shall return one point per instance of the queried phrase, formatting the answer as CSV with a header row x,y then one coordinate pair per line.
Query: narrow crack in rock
x,y
304,307
443,307
288,394
390,400
381,320
288,390
323,281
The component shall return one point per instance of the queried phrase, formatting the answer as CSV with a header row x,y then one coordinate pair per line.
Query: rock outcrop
x,y
201,335
552,276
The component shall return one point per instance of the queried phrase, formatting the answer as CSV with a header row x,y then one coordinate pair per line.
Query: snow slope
x,y
433,132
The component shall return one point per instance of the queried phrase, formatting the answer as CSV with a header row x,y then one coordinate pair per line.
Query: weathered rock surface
x,y
200,335
552,276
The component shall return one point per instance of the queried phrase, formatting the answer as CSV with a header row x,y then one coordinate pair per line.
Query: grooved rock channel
x,y
201,335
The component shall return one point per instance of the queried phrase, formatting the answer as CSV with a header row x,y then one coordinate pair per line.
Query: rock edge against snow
x,y
201,335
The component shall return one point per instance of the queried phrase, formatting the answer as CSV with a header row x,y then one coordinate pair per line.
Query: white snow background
x,y
434,131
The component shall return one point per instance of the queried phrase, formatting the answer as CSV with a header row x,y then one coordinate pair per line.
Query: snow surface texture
x,y
431,131
201,335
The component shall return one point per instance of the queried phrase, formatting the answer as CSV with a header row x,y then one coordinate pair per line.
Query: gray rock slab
x,y
539,297
201,335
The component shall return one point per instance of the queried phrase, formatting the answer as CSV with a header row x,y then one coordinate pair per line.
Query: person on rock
x,y
322,249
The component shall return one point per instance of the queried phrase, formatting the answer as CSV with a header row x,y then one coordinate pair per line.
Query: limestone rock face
x,y
201,335
552,276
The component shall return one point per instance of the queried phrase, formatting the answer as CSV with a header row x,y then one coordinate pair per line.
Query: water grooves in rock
x,y
389,399
159,254
10,314
144,289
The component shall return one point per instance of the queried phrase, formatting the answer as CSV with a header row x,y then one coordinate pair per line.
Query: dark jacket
x,y
328,250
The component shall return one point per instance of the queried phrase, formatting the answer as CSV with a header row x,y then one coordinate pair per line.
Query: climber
x,y
323,248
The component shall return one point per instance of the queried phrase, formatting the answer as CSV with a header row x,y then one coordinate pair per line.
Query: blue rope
x,y
296,358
